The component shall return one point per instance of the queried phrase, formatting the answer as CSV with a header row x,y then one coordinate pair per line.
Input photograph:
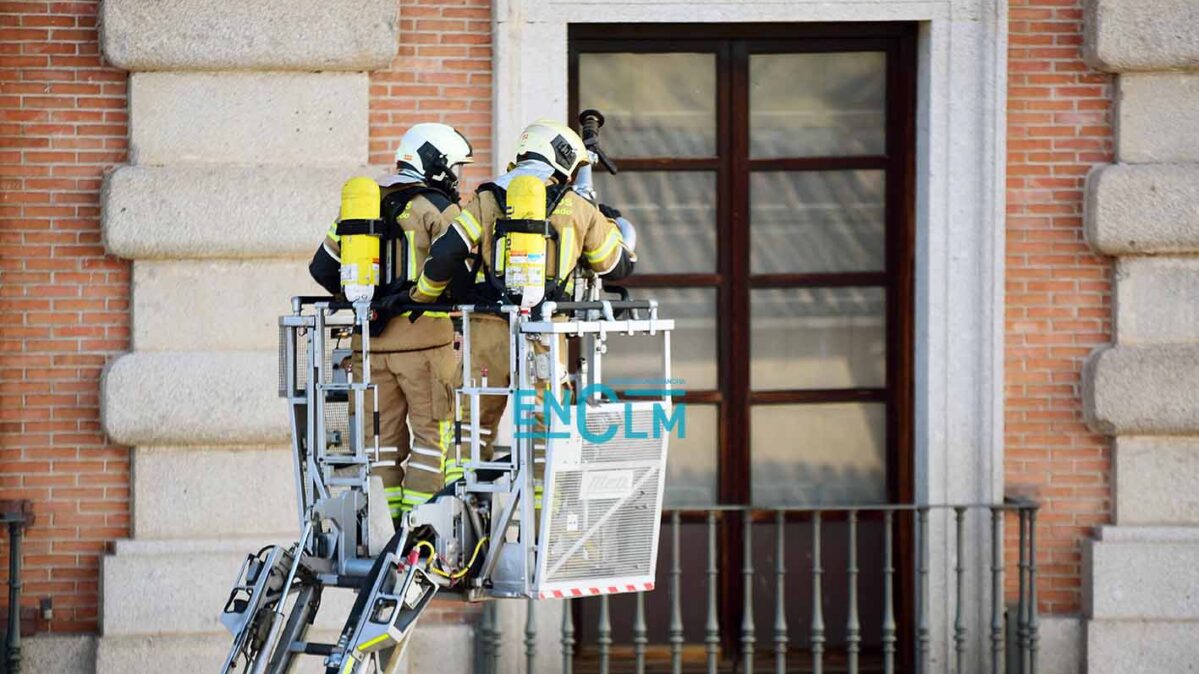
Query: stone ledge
x,y
1148,579
169,653
215,305
1138,209
262,35
1126,35
185,492
1156,118
190,399
66,654
286,119
1148,390
182,592
1157,480
1141,646
1061,645
224,211
1157,300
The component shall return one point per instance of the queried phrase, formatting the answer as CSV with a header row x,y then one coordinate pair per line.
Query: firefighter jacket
x,y
583,235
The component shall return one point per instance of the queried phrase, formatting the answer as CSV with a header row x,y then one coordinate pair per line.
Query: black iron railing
x,y
884,572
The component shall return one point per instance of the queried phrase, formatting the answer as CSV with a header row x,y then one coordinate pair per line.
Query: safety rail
x,y
991,623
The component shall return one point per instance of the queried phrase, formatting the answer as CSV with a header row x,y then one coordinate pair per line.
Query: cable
x,y
445,574
473,556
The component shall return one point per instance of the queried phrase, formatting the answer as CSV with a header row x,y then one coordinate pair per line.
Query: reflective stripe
x,y
377,640
328,251
468,221
332,233
501,254
605,250
410,238
415,498
566,256
430,289
425,451
427,469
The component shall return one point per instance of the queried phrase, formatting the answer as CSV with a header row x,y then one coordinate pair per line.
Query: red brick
x,y
1052,325
81,494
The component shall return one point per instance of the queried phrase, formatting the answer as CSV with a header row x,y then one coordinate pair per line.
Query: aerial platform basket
x,y
602,505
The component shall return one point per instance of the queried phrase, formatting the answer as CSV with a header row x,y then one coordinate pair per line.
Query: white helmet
x,y
554,143
434,150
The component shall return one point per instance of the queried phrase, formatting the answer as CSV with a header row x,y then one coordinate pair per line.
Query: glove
x,y
628,233
583,184
609,212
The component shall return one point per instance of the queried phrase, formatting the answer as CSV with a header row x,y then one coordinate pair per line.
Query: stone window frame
x,y
960,171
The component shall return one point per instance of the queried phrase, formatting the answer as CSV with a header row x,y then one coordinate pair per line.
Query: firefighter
x,y
554,154
412,358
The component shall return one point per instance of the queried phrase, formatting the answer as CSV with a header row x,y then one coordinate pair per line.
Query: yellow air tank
x,y
525,251
359,250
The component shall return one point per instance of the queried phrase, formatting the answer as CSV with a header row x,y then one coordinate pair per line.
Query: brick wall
x,y
1058,292
442,73
64,308
64,304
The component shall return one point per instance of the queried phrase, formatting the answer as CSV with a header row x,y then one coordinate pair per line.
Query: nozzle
x,y
590,121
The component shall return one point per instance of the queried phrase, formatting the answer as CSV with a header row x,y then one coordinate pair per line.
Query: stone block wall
x,y
244,120
1139,590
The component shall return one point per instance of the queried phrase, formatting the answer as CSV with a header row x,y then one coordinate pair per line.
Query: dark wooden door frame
x,y
732,44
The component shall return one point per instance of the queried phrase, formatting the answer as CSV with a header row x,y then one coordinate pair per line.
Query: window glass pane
x,y
691,468
654,105
817,105
817,221
693,342
829,454
817,338
674,213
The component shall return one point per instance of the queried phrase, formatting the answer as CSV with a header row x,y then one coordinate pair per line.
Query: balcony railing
x,y
987,622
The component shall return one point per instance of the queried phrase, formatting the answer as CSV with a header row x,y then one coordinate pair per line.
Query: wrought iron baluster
x,y
676,599
888,595
712,628
640,640
1022,589
568,637
490,634
922,627
604,635
530,636
853,627
747,607
780,599
959,618
996,590
817,636
1034,623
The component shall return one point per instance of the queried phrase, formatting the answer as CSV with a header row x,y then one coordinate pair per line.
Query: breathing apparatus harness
x,y
376,253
